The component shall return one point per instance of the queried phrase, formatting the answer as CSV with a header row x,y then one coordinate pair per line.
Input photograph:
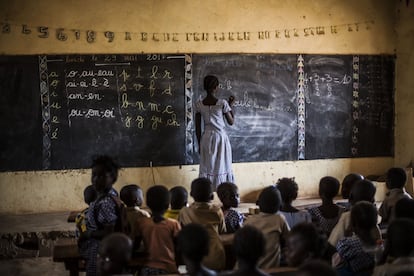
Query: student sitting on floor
x,y
114,255
229,197
158,234
326,216
249,245
273,226
399,249
289,191
363,190
395,182
179,199
192,244
203,212
346,187
356,254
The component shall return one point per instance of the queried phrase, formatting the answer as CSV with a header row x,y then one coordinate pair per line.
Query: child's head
x,y
89,194
396,178
158,199
328,187
288,189
249,245
363,190
269,200
363,216
202,189
179,197
132,195
228,194
193,242
104,173
114,254
400,238
304,243
348,184
404,208
210,83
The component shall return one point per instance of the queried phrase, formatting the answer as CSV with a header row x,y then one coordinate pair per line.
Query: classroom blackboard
x,y
265,108
376,106
128,106
328,106
20,114
58,111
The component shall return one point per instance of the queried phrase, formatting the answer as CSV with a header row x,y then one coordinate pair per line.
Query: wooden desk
x,y
66,251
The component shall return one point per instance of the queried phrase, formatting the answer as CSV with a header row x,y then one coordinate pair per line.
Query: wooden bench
x,y
66,251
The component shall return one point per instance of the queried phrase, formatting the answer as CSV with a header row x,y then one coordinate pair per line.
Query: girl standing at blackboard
x,y
214,144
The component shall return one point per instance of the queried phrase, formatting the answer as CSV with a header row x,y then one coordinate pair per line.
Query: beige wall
x,y
404,96
62,190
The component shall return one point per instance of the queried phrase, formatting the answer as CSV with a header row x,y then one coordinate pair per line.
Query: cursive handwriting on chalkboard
x,y
123,105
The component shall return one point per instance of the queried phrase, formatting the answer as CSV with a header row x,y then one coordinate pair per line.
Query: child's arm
x,y
222,224
229,114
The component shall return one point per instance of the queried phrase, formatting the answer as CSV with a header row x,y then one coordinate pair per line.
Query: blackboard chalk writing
x,y
124,75
155,121
90,73
92,113
131,58
88,96
154,70
153,57
140,121
53,75
152,88
173,121
137,86
168,109
74,59
55,133
139,73
55,105
328,78
225,85
125,103
249,102
93,83
154,107
167,91
167,75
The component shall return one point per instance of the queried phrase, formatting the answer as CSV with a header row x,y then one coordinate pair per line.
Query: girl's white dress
x,y
215,148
